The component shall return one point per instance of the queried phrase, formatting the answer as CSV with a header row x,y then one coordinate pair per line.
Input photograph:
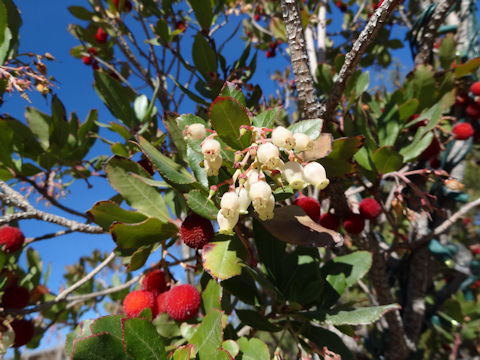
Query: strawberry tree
x,y
317,221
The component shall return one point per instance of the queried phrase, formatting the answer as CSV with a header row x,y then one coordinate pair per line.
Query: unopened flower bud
x,y
212,167
252,178
243,131
226,224
266,213
303,142
230,204
211,149
314,173
195,132
260,193
293,173
283,137
244,200
269,155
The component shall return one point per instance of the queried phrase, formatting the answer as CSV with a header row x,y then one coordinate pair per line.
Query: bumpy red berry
x,y
196,231
15,297
101,36
475,88
138,300
160,302
92,51
11,239
473,110
270,53
24,331
87,60
182,302
369,208
310,205
154,281
354,223
463,131
330,221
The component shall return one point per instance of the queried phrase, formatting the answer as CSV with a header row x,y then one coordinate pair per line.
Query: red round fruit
x,y
160,302
92,51
15,297
270,53
101,36
95,66
257,17
354,223
310,205
473,110
432,150
24,331
11,239
330,221
138,300
155,282
369,208
87,60
463,131
182,302
475,88
196,231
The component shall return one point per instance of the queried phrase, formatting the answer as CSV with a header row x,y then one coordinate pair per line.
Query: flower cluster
x,y
276,157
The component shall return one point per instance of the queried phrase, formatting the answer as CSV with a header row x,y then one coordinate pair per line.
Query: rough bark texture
x,y
430,32
298,54
365,38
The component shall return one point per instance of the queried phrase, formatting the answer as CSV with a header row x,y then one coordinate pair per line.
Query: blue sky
x,y
45,30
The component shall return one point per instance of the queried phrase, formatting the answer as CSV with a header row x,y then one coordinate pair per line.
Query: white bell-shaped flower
x,y
267,212
294,174
212,167
230,204
225,223
268,155
211,149
244,200
195,132
283,137
252,177
303,142
260,193
315,174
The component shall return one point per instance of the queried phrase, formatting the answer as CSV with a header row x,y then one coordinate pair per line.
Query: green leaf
x,y
386,159
139,257
211,296
256,320
353,266
168,168
98,347
416,147
389,126
105,213
198,201
148,232
220,262
116,97
203,12
189,119
194,160
186,352
204,57
253,349
424,86
232,347
227,115
140,106
39,123
338,162
311,128
268,118
5,45
446,51
108,324
407,109
468,68
176,135
322,337
3,23
324,78
360,316
231,90
165,326
208,337
80,12
138,195
142,340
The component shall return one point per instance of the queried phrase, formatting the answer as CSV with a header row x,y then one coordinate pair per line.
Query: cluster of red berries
x,y
181,302
353,223
11,239
469,103
89,60
271,52
101,36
